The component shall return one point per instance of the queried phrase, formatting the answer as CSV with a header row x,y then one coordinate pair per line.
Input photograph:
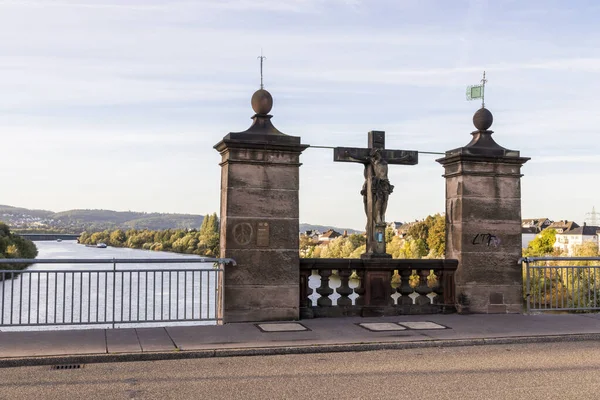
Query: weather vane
x,y
477,91
261,58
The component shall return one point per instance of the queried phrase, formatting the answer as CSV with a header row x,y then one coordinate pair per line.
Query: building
x,y
563,226
537,223
566,241
313,234
395,227
328,236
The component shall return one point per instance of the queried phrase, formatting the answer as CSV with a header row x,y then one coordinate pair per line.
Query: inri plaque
x,y
262,234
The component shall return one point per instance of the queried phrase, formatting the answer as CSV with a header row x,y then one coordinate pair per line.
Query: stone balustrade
x,y
374,287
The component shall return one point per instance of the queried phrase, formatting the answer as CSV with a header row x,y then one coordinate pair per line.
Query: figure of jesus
x,y
376,169
377,187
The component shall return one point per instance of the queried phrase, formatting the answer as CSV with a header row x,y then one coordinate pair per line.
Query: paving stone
x,y
422,325
154,339
122,341
382,326
284,327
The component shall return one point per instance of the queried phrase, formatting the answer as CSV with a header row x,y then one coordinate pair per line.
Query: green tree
x,y
14,246
389,234
210,224
357,240
436,236
117,238
176,240
419,230
307,246
542,245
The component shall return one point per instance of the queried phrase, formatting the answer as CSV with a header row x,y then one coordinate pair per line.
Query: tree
x,y
210,224
176,240
357,240
436,236
117,238
307,246
419,230
389,234
14,246
542,245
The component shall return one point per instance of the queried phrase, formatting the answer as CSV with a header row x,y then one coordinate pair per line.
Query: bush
x,y
13,246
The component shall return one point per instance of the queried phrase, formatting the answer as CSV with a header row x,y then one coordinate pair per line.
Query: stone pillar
x,y
259,219
483,222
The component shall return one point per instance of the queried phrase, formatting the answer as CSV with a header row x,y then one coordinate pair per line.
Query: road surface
x,y
569,370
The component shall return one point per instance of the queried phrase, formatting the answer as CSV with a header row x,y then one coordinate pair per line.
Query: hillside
x,y
77,221
322,228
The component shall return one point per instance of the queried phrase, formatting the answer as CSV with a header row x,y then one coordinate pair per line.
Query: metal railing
x,y
562,283
109,296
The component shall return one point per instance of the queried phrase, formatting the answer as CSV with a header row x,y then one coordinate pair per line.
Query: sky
x,y
117,104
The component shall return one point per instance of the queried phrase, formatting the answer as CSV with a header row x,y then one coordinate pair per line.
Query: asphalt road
x,y
569,370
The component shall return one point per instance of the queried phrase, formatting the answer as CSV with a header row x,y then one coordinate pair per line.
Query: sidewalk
x,y
321,335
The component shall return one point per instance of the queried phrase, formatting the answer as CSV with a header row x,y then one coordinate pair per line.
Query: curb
x,y
285,350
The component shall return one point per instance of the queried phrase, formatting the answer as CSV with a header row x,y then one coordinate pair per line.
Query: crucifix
x,y
376,188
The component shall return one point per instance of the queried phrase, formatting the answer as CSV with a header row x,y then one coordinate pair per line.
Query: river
x,y
83,297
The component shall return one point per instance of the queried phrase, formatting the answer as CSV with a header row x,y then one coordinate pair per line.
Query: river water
x,y
80,297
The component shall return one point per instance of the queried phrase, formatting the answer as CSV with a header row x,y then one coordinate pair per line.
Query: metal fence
x,y
562,283
109,296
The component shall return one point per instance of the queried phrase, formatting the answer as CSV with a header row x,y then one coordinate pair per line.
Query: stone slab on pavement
x,y
281,327
122,341
50,343
381,326
155,339
421,325
212,336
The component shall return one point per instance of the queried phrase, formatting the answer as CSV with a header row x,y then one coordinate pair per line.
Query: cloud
x,y
296,6
148,87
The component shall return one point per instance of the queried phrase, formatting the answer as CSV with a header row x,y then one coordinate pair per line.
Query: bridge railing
x,y
562,283
370,287
110,296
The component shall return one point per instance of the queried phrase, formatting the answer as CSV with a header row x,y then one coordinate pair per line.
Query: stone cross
x,y
376,188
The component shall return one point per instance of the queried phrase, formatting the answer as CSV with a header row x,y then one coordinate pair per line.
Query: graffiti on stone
x,y
486,239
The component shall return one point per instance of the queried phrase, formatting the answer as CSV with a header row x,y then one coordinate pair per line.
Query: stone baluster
x,y
404,288
423,289
360,289
305,290
324,290
344,290
438,289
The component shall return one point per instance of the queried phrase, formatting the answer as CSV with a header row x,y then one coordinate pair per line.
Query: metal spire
x,y
483,81
261,58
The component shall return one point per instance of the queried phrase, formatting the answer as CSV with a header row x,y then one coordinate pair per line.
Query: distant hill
x,y
322,228
77,221
19,210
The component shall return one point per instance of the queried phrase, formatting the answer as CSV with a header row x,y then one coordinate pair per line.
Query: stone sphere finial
x,y
483,119
262,102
